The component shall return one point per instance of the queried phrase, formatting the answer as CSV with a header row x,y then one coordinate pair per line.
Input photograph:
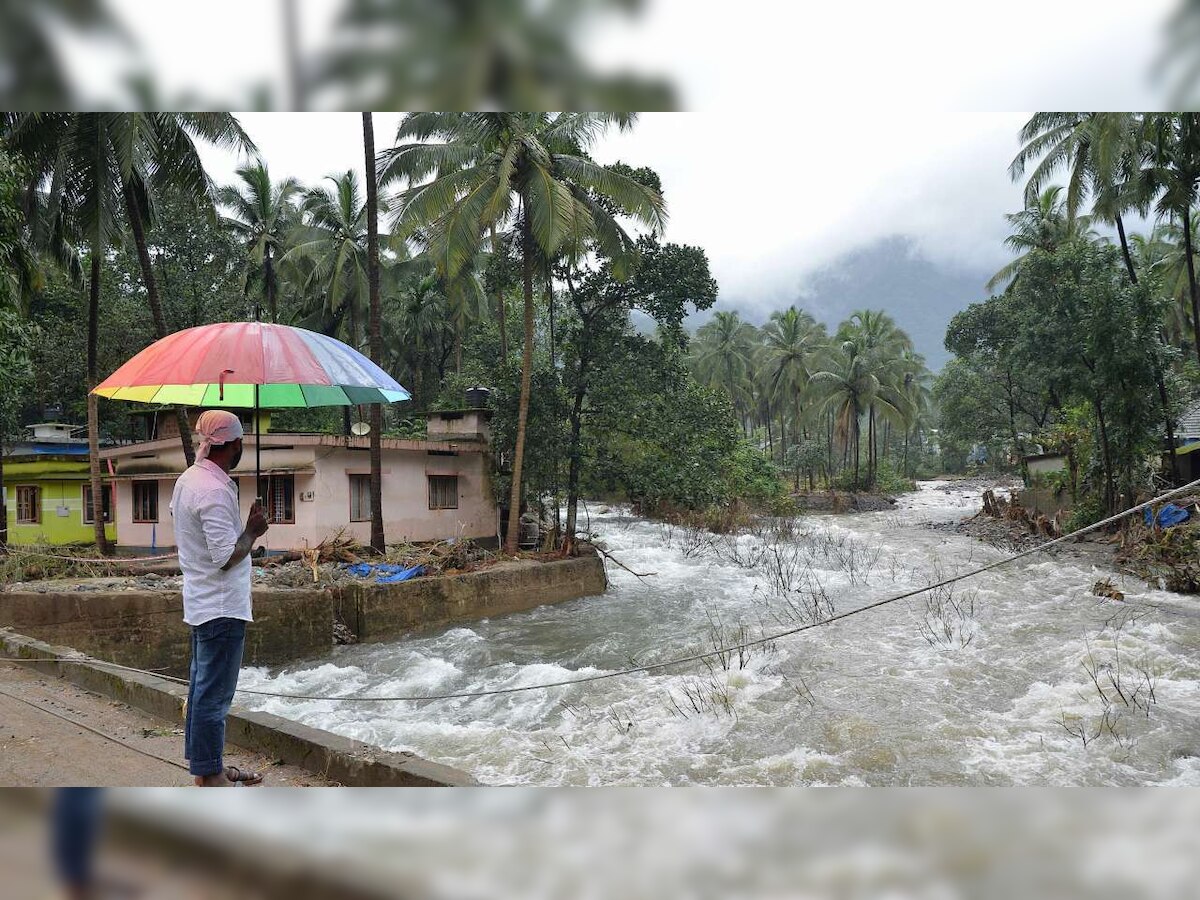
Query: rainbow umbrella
x,y
251,365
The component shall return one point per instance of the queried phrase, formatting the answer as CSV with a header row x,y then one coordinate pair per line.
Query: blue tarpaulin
x,y
387,573
1168,516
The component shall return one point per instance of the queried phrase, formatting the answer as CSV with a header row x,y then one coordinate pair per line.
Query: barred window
x,y
29,505
360,498
89,513
443,492
279,492
145,501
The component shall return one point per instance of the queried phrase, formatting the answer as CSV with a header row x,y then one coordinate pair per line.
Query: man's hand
x,y
256,527
256,522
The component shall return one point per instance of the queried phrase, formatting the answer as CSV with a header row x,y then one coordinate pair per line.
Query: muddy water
x,y
994,682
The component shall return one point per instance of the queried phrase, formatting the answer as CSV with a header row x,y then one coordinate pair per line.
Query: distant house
x,y
316,485
1187,443
48,494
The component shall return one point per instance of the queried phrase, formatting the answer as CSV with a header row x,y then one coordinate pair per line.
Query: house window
x,y
360,498
89,512
145,501
443,492
279,493
29,505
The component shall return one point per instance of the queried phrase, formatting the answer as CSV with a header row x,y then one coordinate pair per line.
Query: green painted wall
x,y
62,486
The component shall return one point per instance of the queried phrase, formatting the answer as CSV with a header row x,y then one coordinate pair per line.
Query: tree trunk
x,y
269,281
1125,250
871,445
1167,419
548,296
502,316
514,505
93,411
574,454
1191,270
156,311
375,334
856,447
770,435
1106,454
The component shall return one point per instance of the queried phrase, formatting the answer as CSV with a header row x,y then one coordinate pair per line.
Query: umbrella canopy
x,y
222,364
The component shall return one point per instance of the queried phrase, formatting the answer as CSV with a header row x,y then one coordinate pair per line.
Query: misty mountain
x,y
892,275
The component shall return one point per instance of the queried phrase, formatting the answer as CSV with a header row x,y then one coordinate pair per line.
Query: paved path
x,y
39,748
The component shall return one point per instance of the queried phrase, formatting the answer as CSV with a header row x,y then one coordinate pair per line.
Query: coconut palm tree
x,y
791,338
876,336
417,318
1172,174
262,216
1102,152
468,172
375,334
723,354
99,172
850,383
333,241
1043,225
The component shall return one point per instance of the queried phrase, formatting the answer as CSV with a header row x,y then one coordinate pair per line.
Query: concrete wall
x,y
380,612
144,629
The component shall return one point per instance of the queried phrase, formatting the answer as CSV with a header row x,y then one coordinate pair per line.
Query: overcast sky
x,y
818,127
769,206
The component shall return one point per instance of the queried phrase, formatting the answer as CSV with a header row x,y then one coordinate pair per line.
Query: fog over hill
x,y
891,274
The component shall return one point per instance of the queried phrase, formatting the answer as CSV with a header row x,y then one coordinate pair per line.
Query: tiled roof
x,y
1189,422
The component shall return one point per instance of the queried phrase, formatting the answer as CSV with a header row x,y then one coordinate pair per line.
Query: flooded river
x,y
1018,676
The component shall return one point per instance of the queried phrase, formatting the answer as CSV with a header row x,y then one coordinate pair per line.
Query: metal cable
x,y
78,724
717,652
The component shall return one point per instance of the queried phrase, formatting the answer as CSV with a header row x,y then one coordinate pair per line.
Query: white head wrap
x,y
215,428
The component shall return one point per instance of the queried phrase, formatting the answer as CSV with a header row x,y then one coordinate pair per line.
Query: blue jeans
x,y
76,818
216,658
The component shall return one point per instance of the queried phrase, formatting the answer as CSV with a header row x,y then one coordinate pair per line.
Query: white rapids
x,y
1017,676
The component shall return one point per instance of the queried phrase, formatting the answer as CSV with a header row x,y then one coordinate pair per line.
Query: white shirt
x,y
207,527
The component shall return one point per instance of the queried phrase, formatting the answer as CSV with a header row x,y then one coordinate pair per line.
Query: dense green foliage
x,y
1085,351
862,395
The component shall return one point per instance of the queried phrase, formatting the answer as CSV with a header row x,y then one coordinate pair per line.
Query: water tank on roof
x,y
477,397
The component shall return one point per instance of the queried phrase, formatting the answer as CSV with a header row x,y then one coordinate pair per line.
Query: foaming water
x,y
1018,676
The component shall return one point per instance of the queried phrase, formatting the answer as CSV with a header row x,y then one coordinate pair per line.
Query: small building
x,y
317,485
1042,464
1187,442
48,491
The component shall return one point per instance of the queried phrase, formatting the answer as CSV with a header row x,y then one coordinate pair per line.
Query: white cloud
x,y
774,202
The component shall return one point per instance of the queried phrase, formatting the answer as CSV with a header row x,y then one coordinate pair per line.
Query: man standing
x,y
214,555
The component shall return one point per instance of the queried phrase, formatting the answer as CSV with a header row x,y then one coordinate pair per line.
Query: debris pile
x,y
330,563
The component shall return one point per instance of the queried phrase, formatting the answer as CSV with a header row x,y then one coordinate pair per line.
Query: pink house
x,y
316,485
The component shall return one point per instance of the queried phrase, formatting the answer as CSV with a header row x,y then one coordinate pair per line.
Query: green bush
x,y
1087,511
751,476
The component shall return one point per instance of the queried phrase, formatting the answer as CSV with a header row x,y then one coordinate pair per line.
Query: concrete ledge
x,y
376,612
336,758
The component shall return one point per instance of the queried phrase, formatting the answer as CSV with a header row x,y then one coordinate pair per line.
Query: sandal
x,y
242,779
